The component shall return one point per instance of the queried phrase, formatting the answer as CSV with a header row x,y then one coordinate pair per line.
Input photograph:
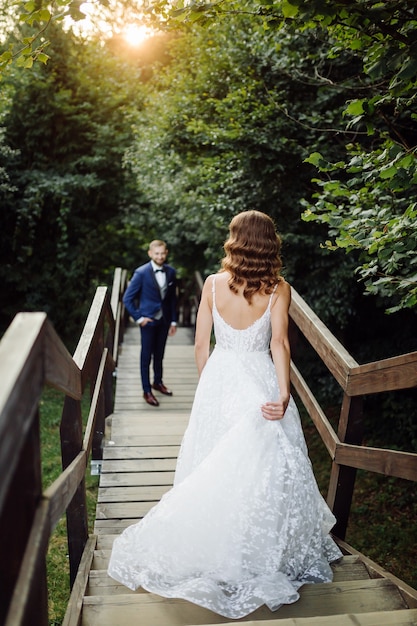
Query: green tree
x,y
28,45
227,127
367,199
378,136
68,126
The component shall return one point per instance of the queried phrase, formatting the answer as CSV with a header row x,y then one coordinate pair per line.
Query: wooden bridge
x,y
135,447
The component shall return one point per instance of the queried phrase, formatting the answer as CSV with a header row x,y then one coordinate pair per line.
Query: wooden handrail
x,y
25,366
330,350
382,461
316,413
117,307
92,334
399,372
389,462
66,377
106,362
355,380
32,579
32,355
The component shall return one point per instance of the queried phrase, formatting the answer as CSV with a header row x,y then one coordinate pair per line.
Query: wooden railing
x,y
344,446
32,355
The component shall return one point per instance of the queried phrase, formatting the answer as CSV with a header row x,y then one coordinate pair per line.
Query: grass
x,y
57,559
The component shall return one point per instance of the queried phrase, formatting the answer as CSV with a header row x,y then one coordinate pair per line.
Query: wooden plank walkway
x,y
139,460
142,444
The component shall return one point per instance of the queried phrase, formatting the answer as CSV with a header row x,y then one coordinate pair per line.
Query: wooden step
x,y
139,423
340,598
105,542
135,493
138,465
100,584
124,510
131,479
390,618
116,526
112,452
169,406
348,568
147,438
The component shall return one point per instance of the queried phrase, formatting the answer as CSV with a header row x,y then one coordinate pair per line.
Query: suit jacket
x,y
142,297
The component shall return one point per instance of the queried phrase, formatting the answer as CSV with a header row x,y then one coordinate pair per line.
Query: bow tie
x,y
158,271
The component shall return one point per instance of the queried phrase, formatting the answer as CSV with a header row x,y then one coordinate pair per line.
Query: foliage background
x,y
303,109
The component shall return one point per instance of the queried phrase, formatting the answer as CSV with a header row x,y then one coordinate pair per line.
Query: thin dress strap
x,y
271,296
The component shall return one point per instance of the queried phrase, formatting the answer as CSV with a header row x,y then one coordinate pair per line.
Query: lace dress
x,y
244,524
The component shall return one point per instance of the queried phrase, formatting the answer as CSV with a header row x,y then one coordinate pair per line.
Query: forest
x,y
303,109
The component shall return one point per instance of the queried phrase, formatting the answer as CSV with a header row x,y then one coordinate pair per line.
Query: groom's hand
x,y
142,321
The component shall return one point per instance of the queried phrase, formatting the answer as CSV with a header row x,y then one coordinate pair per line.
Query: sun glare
x,y
135,35
95,22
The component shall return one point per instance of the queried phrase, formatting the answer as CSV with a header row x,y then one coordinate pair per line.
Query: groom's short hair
x,y
156,243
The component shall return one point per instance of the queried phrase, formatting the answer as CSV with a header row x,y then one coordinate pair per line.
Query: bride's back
x,y
234,308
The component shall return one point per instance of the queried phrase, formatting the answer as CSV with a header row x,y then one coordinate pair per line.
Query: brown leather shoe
x,y
150,398
161,387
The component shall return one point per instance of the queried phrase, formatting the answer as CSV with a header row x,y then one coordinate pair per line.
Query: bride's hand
x,y
274,410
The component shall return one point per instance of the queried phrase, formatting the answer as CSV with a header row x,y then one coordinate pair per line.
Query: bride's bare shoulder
x,y
221,279
283,286
282,293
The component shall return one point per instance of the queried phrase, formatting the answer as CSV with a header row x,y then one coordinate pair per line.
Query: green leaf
x,y
355,107
44,15
6,56
408,70
388,172
42,57
378,69
357,44
20,61
315,159
288,9
406,161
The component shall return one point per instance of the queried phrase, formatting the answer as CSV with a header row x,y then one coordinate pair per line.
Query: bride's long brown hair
x,y
252,254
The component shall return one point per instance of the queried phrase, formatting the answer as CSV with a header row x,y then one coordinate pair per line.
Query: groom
x,y
151,300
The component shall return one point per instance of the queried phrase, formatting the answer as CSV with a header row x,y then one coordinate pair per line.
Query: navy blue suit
x,y
143,298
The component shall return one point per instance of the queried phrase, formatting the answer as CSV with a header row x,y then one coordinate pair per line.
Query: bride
x,y
244,524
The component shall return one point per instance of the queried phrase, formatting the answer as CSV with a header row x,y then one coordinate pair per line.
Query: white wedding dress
x,y
244,524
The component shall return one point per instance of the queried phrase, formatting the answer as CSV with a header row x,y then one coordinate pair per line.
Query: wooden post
x,y
97,448
23,497
108,389
77,519
293,337
342,478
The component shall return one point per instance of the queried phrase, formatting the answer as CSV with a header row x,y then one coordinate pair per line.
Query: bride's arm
x,y
280,350
204,325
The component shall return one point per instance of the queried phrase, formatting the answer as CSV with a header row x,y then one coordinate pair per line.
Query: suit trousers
x,y
153,338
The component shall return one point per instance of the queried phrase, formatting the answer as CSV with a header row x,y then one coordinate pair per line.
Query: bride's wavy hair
x,y
252,254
